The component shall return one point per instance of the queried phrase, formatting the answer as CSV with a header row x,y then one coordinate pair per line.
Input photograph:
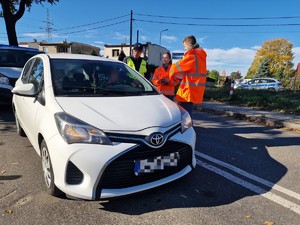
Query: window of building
x,y
115,52
62,49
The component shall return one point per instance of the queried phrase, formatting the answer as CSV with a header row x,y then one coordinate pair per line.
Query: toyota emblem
x,y
156,139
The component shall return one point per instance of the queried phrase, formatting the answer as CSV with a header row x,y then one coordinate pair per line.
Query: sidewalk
x,y
274,119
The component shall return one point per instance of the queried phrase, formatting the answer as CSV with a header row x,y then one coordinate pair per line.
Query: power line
x,y
221,18
88,24
220,25
95,28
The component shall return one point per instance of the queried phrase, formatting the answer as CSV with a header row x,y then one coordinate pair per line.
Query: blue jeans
x,y
188,106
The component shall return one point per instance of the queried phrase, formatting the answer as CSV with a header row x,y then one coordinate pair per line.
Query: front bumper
x,y
102,171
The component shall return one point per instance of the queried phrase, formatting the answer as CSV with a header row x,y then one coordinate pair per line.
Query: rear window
x,y
15,58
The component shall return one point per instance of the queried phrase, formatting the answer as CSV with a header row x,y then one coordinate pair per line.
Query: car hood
x,y
11,72
132,113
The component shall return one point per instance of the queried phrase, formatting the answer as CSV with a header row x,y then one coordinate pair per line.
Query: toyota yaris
x,y
101,129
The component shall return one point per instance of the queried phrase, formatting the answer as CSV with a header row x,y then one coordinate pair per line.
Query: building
x,y
33,44
177,55
63,47
151,52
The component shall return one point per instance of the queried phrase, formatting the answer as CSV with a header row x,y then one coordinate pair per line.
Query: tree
x,y
94,53
280,56
263,69
235,75
213,74
12,15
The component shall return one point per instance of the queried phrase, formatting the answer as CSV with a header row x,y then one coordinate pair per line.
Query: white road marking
x,y
250,176
267,194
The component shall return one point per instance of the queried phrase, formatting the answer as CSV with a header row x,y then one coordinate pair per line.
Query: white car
x,y
101,129
263,84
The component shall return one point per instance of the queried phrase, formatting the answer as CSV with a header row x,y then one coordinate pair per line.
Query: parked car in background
x,y
101,129
12,60
263,84
239,82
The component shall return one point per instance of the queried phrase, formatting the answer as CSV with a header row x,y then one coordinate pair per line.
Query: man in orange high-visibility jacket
x,y
161,77
191,70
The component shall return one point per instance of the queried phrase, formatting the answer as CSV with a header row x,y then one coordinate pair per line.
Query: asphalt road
x,y
246,174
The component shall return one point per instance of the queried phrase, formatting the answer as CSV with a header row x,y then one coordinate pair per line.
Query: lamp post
x,y
160,35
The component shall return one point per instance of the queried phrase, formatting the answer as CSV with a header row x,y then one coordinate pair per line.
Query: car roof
x,y
268,78
18,48
78,56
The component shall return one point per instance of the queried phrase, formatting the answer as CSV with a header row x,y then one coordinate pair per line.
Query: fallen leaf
x,y
3,171
269,223
9,211
248,217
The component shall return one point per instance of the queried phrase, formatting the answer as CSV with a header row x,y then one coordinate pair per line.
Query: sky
x,y
230,31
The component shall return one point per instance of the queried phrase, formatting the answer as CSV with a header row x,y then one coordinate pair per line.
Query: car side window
x,y
36,76
26,71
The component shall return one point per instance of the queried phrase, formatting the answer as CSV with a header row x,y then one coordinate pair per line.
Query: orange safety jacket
x,y
191,69
161,73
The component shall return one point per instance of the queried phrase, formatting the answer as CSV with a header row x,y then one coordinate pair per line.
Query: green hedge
x,y
280,101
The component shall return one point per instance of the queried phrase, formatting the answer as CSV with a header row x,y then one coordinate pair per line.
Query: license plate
x,y
158,163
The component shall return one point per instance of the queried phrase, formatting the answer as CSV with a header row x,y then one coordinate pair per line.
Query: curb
x,y
260,119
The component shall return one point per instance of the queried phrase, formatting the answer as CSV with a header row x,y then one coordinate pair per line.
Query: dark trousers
x,y
170,97
188,106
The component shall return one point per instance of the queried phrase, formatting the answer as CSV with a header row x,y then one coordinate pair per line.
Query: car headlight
x,y
3,79
186,120
74,130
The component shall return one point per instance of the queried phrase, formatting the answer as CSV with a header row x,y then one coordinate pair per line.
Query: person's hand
x,y
165,81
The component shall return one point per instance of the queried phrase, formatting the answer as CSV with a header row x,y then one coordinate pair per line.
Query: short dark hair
x,y
190,39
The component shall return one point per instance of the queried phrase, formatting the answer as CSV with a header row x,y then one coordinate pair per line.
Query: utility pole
x,y
160,35
48,27
137,36
130,45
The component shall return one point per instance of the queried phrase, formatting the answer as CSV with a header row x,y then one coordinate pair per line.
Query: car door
x,y
31,104
19,99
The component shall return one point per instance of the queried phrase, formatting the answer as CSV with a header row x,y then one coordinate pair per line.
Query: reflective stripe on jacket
x,y
143,66
191,69
161,73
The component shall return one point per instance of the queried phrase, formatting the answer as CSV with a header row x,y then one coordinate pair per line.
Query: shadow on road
x,y
12,177
6,118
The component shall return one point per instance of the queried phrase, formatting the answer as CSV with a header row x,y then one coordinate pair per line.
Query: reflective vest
x,y
143,68
159,74
191,69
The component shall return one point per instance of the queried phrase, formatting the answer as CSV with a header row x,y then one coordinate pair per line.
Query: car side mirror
x,y
24,90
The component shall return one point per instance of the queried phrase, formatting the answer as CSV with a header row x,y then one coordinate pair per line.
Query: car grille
x,y
120,172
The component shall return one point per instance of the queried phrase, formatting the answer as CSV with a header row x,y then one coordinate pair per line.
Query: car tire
x,y
48,171
19,128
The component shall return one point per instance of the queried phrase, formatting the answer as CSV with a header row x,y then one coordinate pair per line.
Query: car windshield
x,y
76,77
15,58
